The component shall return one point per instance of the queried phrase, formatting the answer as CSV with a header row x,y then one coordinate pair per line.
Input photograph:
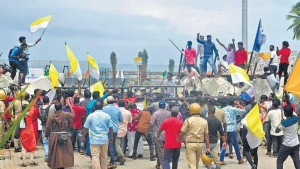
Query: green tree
x,y
144,65
171,65
294,15
113,62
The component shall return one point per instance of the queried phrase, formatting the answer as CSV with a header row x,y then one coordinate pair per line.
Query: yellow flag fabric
x,y
40,23
53,75
98,87
254,122
94,68
293,84
254,126
75,67
265,56
145,102
238,74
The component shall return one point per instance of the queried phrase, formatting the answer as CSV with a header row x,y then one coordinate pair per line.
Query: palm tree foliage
x,y
294,15
113,62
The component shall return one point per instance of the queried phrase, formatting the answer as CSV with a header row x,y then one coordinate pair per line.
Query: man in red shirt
x,y
76,128
190,55
285,53
241,56
172,127
132,130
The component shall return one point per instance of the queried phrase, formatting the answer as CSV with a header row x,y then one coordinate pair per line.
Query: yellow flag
x,y
238,74
293,84
254,122
40,23
53,75
94,68
255,127
145,102
75,67
98,87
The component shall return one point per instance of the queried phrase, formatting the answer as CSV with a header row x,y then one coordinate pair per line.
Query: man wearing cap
x,y
190,55
116,118
209,48
196,130
157,119
200,52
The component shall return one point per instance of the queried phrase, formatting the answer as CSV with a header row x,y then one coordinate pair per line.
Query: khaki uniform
x,y
17,107
195,129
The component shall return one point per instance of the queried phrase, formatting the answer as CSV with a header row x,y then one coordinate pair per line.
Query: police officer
x,y
2,116
196,130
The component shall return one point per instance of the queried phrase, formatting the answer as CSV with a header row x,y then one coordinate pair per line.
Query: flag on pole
x,y
40,23
266,57
164,74
145,102
260,38
98,87
86,75
255,127
75,67
293,84
53,75
94,68
122,75
238,75
117,74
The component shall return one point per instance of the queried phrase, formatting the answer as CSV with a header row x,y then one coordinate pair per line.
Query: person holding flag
x,y
23,61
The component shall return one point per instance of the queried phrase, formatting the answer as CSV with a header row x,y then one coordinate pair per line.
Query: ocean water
x,y
84,66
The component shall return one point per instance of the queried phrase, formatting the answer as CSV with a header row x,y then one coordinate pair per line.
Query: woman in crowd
x,y
27,137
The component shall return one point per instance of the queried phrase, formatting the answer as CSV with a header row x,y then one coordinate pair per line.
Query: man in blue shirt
x,y
99,125
116,117
231,112
209,48
14,60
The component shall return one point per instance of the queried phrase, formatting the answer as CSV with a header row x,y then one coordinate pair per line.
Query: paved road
x,y
84,162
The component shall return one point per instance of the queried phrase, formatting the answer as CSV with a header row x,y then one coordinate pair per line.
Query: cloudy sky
x,y
127,26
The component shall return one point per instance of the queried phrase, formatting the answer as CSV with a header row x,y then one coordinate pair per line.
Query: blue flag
x,y
260,38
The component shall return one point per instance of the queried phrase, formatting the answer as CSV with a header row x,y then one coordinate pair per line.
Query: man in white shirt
x,y
191,74
170,91
223,66
290,144
200,51
122,131
275,116
274,60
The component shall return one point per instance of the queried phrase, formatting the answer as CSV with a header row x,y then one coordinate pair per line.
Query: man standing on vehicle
x,y
23,61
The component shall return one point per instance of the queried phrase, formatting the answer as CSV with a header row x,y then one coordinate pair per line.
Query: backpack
x,y
44,114
10,51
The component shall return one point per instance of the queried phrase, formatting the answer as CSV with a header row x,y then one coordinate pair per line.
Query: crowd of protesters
x,y
111,126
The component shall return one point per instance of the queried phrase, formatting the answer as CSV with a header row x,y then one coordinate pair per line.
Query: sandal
x,y
24,165
33,163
